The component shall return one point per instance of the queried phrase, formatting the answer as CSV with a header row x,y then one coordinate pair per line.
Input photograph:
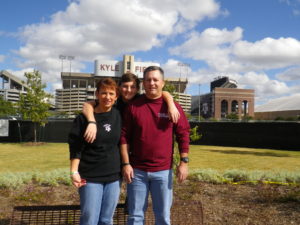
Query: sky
x,y
254,42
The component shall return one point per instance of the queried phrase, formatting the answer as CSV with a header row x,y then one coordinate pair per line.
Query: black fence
x,y
274,135
23,131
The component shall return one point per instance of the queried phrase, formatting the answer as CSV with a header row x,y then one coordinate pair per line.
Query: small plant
x,y
232,116
236,175
291,118
279,118
247,118
208,175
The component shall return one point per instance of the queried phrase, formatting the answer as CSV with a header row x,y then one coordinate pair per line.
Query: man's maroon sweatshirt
x,y
148,131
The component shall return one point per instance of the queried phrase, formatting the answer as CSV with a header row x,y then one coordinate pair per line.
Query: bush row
x,y
51,178
61,176
242,176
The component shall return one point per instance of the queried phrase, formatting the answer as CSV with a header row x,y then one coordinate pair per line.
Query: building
x,y
11,87
284,108
224,99
78,88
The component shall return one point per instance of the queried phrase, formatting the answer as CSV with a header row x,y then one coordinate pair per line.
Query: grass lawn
x,y
224,158
24,158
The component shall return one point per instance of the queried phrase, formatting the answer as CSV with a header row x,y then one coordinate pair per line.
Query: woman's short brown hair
x,y
107,83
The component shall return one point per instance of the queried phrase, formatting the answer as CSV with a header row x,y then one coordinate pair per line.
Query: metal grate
x,y
182,213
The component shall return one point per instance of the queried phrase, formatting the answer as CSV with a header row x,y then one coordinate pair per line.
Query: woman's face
x,y
128,90
107,98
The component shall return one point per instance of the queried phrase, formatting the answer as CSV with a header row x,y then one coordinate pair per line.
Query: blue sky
x,y
255,42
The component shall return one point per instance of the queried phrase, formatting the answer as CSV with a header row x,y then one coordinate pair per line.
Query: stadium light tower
x,y
186,65
199,109
62,57
70,58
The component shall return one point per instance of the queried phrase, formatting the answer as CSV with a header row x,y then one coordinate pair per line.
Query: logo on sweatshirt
x,y
107,127
163,115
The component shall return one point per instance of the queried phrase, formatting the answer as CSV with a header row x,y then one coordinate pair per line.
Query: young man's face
x,y
153,84
128,90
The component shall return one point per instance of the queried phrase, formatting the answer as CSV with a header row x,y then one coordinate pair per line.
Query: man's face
x,y
153,84
128,90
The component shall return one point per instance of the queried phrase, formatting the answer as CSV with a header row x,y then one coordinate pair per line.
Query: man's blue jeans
x,y
159,184
98,202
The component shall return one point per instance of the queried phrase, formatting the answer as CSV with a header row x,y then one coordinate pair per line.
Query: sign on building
x,y
115,68
108,68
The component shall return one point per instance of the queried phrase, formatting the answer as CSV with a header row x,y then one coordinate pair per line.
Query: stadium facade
x,y
11,87
78,88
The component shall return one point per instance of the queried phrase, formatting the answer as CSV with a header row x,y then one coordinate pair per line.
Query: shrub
x,y
51,178
232,116
208,175
240,176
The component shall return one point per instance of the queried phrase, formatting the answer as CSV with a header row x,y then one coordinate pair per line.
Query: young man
x,y
147,150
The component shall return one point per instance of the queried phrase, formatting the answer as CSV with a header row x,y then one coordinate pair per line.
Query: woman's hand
x,y
90,132
77,181
174,114
128,174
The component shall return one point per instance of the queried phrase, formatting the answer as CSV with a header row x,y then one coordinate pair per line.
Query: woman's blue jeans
x,y
98,202
159,184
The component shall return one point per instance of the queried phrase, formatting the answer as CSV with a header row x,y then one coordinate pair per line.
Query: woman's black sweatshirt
x,y
100,160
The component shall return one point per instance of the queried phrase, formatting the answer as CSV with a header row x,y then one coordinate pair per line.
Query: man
x,y
147,151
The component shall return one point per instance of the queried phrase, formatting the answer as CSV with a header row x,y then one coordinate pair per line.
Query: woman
x,y
95,167
129,86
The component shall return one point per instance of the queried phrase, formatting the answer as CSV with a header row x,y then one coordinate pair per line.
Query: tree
x,y
171,89
6,108
34,105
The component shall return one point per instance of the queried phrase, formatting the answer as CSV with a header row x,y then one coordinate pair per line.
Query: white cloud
x,y
90,29
20,73
294,5
263,85
213,46
296,12
225,51
268,53
291,74
2,58
226,54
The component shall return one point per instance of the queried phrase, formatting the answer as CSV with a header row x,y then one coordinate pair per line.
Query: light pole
x,y
199,109
186,65
70,58
62,57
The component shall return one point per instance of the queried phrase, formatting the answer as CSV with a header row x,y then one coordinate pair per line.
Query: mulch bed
x,y
223,204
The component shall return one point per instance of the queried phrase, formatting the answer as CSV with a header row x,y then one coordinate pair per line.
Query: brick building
x,y
224,99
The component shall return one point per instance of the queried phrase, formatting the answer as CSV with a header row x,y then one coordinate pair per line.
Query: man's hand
x,y
174,114
90,133
182,172
128,174
77,181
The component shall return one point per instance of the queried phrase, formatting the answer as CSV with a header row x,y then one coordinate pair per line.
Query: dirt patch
x,y
223,204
